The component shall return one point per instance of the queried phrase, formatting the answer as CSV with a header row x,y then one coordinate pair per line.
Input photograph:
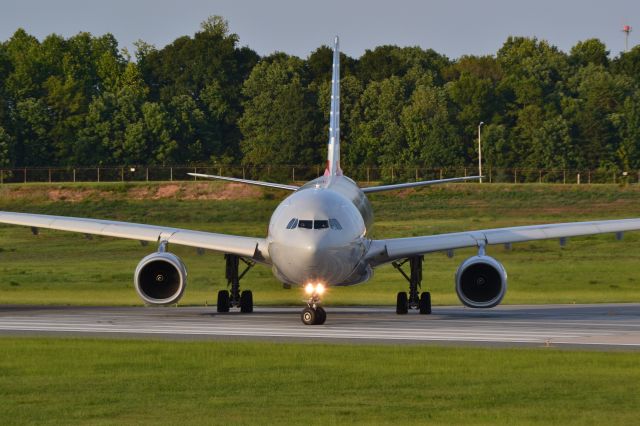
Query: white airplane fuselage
x,y
319,234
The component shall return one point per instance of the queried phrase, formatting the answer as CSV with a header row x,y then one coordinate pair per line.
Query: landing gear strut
x,y
415,299
233,298
314,314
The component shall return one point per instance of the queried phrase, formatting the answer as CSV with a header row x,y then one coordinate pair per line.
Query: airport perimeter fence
x,y
301,173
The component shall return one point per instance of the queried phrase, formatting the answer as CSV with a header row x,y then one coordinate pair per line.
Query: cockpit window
x,y
320,224
292,223
335,224
306,224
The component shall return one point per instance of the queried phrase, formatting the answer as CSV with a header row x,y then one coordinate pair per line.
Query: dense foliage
x,y
206,99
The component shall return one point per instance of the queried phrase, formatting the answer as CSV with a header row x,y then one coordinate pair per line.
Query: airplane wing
x,y
381,188
247,181
254,248
383,251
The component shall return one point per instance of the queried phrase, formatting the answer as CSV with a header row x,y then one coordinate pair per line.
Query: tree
x,y
278,123
378,136
432,140
591,51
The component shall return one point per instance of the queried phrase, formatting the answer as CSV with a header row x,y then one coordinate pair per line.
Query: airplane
x,y
318,238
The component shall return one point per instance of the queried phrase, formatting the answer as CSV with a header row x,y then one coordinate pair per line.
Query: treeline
x,y
206,99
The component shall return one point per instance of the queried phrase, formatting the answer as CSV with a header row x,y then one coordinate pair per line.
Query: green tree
x,y
432,140
278,123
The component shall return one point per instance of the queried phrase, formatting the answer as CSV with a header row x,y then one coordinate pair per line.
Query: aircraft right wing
x,y
249,247
383,251
247,181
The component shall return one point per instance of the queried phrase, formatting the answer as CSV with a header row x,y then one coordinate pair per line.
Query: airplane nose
x,y
301,261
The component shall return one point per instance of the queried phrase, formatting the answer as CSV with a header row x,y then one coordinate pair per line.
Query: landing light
x,y
317,289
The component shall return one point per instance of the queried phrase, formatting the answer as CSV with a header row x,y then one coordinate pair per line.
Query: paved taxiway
x,y
602,326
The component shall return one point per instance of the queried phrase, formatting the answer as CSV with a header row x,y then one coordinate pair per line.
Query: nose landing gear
x,y
314,314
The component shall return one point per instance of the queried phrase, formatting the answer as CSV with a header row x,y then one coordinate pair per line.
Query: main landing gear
x,y
314,314
234,298
415,299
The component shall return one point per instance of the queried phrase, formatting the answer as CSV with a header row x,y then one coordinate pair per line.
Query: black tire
x,y
402,303
425,303
309,316
246,302
321,315
223,301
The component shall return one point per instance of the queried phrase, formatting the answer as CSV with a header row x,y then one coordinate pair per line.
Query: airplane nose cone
x,y
301,262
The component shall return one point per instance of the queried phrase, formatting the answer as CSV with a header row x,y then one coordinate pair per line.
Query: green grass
x,y
65,381
63,268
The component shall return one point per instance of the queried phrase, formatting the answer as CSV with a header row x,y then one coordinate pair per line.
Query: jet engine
x,y
160,278
481,282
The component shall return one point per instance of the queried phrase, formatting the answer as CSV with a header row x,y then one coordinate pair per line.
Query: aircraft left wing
x,y
254,248
383,251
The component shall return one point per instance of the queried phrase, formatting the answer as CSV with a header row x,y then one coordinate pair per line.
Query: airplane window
x,y
292,223
335,224
320,224
306,224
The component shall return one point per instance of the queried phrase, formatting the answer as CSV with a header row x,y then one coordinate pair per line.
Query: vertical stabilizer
x,y
333,159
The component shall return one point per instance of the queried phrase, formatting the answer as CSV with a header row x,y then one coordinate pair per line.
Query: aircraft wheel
x,y
402,303
425,303
321,315
246,302
309,316
223,301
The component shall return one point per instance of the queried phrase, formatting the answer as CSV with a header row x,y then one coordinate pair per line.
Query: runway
x,y
606,326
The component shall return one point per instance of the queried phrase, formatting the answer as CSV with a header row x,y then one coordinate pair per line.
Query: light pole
x,y
480,150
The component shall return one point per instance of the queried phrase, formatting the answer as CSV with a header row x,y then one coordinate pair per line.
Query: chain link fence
x,y
301,173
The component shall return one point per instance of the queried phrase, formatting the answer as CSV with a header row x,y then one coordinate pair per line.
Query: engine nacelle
x,y
160,278
481,282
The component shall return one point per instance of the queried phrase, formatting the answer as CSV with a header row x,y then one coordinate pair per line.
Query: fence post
x,y
195,171
440,174
515,175
147,174
490,181
1,176
293,174
74,175
98,174
171,174
564,177
369,179
578,178
25,175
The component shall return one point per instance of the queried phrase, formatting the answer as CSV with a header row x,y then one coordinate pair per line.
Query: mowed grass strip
x,y
65,268
65,381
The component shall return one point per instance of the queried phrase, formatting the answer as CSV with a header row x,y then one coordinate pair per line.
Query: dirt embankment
x,y
128,191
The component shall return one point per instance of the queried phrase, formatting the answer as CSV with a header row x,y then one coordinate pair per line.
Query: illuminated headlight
x,y
309,288
319,288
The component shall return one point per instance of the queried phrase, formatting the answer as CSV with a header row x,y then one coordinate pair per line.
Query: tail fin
x,y
333,148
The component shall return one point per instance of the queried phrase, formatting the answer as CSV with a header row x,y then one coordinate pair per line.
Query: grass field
x,y
64,381
64,268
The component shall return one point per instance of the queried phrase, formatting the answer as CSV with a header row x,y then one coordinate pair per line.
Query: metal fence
x,y
301,173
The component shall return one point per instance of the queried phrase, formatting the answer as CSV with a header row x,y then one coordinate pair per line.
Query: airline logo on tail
x,y
333,148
